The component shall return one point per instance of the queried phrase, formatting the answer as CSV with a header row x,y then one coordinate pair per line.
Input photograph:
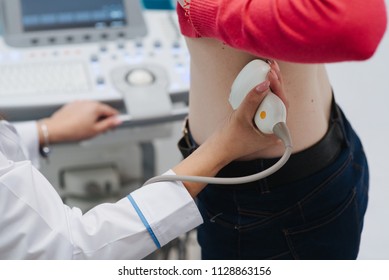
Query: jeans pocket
x,y
334,236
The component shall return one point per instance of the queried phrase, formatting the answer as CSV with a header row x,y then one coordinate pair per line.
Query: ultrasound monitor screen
x,y
40,15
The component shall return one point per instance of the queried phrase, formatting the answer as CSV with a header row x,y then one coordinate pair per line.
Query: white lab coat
x,y
35,224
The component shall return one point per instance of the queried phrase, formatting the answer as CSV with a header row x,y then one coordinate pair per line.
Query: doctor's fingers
x,y
105,124
250,103
276,82
103,109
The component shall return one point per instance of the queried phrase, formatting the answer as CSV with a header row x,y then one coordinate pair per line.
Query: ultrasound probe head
x,y
272,110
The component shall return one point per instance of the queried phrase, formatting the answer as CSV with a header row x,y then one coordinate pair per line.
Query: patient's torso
x,y
214,67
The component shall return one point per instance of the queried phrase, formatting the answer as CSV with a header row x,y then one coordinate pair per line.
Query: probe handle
x,y
272,110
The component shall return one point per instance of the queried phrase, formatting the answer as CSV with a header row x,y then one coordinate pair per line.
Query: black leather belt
x,y
299,165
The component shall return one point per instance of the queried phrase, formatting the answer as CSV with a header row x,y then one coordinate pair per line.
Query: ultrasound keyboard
x,y
43,78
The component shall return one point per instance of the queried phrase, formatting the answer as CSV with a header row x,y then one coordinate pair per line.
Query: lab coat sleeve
x,y
35,224
166,207
28,134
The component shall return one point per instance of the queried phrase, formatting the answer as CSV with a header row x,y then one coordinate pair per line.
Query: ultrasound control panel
x,y
51,54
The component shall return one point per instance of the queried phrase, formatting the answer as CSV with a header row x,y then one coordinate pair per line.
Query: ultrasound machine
x,y
127,53
115,51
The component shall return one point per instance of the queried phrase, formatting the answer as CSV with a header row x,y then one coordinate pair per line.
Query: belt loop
x,y
335,115
338,118
263,184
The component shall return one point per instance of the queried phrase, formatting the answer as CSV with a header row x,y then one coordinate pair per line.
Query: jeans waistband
x,y
299,165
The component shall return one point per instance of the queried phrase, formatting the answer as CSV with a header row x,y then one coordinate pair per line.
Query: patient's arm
x,y
297,31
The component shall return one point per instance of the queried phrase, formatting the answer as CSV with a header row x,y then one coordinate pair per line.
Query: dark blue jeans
x,y
319,216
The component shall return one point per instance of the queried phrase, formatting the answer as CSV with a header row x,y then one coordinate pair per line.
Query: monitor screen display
x,y
41,15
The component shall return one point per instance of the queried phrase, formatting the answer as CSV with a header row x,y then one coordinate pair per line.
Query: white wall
x,y
362,90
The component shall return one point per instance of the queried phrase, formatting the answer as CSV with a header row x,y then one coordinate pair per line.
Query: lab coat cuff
x,y
167,210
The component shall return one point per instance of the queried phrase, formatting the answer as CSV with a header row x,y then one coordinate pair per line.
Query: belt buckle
x,y
185,132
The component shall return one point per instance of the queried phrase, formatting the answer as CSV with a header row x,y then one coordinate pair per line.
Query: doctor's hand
x,y
234,139
248,146
239,134
238,137
79,120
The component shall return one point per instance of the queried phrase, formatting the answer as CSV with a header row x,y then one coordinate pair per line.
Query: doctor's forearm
x,y
207,161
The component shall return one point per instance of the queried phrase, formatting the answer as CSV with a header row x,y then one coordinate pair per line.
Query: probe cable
x,y
280,130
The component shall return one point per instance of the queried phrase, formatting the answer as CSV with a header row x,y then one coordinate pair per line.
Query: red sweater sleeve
x,y
307,31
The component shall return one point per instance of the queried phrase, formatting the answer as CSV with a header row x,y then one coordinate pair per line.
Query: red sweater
x,y
307,31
